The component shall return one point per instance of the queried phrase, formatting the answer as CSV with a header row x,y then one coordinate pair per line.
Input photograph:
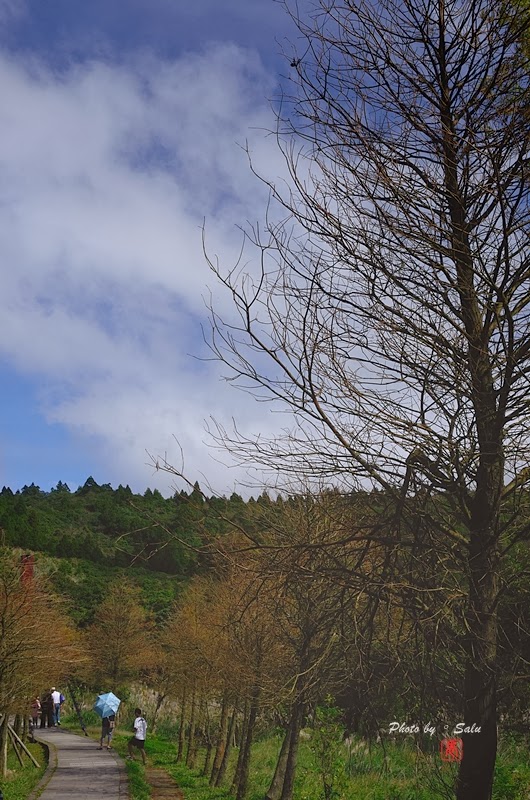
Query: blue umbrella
x,y
106,704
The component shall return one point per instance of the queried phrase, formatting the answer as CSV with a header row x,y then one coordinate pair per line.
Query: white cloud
x,y
106,173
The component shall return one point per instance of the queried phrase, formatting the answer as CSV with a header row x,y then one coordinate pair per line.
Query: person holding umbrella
x,y
106,706
107,729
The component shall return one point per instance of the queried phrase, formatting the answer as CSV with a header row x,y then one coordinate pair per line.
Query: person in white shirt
x,y
57,699
138,740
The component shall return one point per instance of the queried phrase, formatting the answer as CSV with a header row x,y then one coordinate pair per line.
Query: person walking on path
x,y
138,740
107,729
34,718
35,711
46,711
57,700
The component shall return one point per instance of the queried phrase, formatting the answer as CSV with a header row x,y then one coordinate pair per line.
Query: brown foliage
x,y
38,645
120,642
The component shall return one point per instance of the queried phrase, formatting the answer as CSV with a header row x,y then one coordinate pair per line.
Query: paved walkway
x,y
82,771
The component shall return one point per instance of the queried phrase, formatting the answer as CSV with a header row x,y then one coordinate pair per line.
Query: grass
x,y
399,782
398,772
162,753
21,781
139,788
402,774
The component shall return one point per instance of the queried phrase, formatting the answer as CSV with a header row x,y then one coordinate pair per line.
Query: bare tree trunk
x,y
209,740
246,747
190,763
182,733
275,789
295,724
17,724
159,700
199,726
244,726
207,759
475,778
3,746
221,741
227,748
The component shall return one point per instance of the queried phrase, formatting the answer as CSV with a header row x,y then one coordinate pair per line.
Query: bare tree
x,y
391,312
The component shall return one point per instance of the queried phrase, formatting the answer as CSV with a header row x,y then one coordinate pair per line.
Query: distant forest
x,y
114,526
88,538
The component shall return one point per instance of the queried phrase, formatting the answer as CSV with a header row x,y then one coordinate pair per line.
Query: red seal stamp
x,y
452,749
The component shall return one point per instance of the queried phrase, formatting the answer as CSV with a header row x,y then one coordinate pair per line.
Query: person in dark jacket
x,y
46,711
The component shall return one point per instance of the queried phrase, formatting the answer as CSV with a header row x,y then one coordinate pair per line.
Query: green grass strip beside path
x,y
21,781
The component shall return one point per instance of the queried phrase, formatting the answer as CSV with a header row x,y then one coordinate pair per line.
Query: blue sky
x,y
121,130
60,30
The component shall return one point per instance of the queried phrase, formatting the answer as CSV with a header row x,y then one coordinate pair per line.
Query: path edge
x,y
49,771
124,778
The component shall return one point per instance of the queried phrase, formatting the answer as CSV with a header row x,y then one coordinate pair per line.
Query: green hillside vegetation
x,y
85,584
96,536
114,526
102,525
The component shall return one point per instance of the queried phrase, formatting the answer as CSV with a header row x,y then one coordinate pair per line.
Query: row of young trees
x,y
257,641
389,312
301,612
296,609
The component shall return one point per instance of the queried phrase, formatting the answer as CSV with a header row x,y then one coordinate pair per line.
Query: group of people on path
x,y
136,742
47,709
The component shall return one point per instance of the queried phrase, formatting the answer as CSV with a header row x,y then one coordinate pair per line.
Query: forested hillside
x,y
113,526
102,525
89,538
